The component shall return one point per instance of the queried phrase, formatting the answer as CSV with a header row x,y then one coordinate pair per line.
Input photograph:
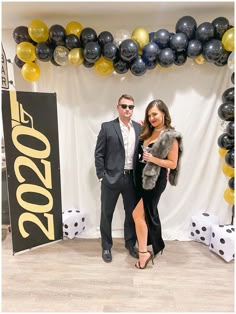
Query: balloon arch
x,y
136,52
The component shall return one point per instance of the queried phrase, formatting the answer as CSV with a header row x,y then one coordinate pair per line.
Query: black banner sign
x,y
33,168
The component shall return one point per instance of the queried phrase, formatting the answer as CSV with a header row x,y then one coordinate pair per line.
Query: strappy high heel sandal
x,y
137,265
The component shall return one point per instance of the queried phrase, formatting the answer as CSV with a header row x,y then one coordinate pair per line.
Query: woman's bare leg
x,y
141,231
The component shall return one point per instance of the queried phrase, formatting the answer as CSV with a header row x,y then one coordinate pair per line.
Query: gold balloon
x,y
229,196
74,28
103,66
222,152
228,171
141,36
75,56
25,51
200,59
38,31
228,39
30,72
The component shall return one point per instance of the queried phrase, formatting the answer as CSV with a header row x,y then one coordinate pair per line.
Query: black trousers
x,y
109,198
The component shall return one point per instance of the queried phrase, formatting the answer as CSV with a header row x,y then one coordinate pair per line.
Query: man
x,y
114,152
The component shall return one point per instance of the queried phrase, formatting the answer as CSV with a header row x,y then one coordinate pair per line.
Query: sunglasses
x,y
123,106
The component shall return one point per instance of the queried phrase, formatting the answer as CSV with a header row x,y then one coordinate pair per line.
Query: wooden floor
x,y
70,276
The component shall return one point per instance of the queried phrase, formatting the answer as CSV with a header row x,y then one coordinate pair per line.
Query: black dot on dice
x,y
213,234
193,224
76,224
66,226
83,228
202,238
221,252
192,234
232,229
222,241
212,246
205,214
77,211
228,230
66,233
221,226
69,211
204,228
197,231
83,219
76,233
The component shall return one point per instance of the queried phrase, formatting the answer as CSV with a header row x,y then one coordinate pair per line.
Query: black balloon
x,y
120,66
226,111
204,32
151,64
225,141
138,67
187,25
212,50
162,38
72,41
92,52
221,25
230,128
150,52
43,52
57,33
223,59
231,183
229,158
110,51
152,36
232,78
88,64
194,48
20,34
18,62
104,38
180,58
166,57
228,95
87,35
128,50
179,42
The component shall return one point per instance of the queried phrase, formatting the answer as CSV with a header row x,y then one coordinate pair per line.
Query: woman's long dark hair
x,y
147,127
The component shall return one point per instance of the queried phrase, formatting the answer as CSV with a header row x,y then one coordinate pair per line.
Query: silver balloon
x,y
223,125
120,36
230,62
60,55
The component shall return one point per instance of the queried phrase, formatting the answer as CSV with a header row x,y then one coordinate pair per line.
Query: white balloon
x,y
120,36
230,62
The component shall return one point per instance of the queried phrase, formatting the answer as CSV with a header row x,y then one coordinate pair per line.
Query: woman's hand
x,y
147,157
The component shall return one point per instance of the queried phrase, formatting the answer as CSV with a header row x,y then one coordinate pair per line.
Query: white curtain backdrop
x,y
193,94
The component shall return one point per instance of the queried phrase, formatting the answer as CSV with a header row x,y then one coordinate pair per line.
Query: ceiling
x,y
116,14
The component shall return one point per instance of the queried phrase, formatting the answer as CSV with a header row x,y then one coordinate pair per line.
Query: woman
x,y
164,147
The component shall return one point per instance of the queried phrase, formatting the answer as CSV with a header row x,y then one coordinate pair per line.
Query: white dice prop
x,y
73,222
200,230
222,241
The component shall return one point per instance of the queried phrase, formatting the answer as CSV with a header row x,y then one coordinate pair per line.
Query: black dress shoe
x,y
133,251
106,255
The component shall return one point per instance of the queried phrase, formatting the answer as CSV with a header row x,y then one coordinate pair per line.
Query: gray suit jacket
x,y
110,152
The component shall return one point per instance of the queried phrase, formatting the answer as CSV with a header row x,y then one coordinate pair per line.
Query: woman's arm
x,y
170,162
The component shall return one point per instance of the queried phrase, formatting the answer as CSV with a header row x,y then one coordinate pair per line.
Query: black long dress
x,y
151,199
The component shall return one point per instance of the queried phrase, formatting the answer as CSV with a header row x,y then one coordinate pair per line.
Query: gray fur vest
x,y
160,149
